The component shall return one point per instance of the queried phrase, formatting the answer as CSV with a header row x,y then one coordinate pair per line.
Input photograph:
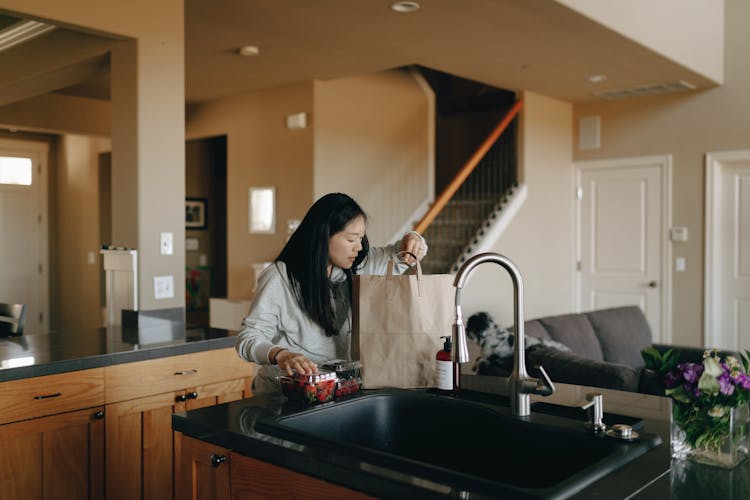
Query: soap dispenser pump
x,y
445,367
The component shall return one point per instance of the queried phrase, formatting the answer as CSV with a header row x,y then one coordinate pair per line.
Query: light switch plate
x,y
679,233
192,244
163,287
167,243
679,264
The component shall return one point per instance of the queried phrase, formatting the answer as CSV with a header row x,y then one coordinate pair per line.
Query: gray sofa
x,y
605,350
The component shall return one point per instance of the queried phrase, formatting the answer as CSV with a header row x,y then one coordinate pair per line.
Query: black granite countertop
x,y
65,351
233,426
652,476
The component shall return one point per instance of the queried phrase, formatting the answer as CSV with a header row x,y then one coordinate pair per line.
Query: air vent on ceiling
x,y
644,90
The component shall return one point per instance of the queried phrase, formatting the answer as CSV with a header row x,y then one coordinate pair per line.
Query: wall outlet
x,y
163,287
167,243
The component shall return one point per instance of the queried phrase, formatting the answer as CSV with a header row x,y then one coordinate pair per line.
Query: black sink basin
x,y
462,443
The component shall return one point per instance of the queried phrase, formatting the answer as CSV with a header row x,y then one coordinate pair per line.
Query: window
x,y
15,170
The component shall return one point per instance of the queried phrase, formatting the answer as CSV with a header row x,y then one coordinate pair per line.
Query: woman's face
x,y
344,246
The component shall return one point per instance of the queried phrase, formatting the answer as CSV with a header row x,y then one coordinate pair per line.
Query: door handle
x,y
652,284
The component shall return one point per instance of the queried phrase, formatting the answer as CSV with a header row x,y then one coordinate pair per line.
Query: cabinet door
x,y
139,447
251,478
204,470
140,443
60,456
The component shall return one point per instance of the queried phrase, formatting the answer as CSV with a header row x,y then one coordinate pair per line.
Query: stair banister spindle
x,y
470,165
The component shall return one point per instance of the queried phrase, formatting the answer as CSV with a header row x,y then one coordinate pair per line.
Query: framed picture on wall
x,y
195,213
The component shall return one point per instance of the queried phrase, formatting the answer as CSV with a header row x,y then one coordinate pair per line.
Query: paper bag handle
x,y
389,270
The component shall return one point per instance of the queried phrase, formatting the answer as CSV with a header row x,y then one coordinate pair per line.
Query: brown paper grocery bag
x,y
398,321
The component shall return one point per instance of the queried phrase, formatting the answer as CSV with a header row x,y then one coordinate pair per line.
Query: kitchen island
x,y
232,430
87,414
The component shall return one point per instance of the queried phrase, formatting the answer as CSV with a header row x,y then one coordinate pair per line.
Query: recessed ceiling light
x,y
249,50
597,78
405,6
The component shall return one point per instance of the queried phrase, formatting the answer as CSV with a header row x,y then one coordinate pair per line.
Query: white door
x,y
728,250
23,223
622,219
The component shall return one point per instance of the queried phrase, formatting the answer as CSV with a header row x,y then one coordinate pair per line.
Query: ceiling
x,y
516,45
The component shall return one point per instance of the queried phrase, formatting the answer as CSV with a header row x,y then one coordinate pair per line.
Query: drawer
x,y
156,376
50,394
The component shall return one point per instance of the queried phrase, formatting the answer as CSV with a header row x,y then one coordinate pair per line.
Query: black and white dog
x,y
497,343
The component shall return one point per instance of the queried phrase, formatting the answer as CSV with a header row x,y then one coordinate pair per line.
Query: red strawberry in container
x,y
348,374
309,389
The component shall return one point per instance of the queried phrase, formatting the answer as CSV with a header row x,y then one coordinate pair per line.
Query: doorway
x,y
23,216
727,267
623,252
206,242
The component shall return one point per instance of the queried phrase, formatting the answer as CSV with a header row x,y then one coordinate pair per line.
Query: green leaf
x,y
669,360
679,394
746,360
652,358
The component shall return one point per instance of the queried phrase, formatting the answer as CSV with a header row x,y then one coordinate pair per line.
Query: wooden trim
x,y
467,169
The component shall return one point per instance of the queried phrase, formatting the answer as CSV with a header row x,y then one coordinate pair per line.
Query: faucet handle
x,y
595,403
544,387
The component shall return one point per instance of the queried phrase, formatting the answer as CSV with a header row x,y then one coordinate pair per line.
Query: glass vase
x,y
730,437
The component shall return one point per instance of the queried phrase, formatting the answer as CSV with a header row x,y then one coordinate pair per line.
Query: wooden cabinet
x,y
250,478
52,437
107,432
203,470
140,443
208,472
40,396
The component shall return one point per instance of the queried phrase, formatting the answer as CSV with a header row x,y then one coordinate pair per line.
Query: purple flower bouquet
x,y
710,416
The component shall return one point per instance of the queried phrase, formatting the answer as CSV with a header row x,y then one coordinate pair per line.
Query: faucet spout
x,y
521,385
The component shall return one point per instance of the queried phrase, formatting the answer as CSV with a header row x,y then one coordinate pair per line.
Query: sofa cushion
x,y
568,368
623,333
533,328
574,330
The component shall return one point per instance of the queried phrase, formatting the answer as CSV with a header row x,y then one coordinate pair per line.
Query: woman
x,y
301,312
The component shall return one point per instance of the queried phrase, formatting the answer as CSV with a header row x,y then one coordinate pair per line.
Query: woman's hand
x,y
291,362
412,243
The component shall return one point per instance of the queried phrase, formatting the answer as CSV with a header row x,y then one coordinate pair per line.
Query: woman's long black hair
x,y
306,255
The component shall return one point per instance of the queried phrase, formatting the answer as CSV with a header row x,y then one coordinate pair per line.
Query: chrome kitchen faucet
x,y
521,384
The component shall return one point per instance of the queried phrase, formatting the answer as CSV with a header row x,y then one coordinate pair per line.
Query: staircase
x,y
464,212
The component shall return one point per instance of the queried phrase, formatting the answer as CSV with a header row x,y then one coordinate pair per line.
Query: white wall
x,y
690,32
687,126
76,218
373,142
261,151
539,240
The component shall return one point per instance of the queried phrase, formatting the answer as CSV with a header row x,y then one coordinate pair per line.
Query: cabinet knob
x,y
217,460
181,398
99,415
192,395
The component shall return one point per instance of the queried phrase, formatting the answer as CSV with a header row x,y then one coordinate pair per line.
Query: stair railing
x,y
442,200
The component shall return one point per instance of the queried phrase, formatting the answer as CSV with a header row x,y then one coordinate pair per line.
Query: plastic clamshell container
x,y
347,373
343,369
309,389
